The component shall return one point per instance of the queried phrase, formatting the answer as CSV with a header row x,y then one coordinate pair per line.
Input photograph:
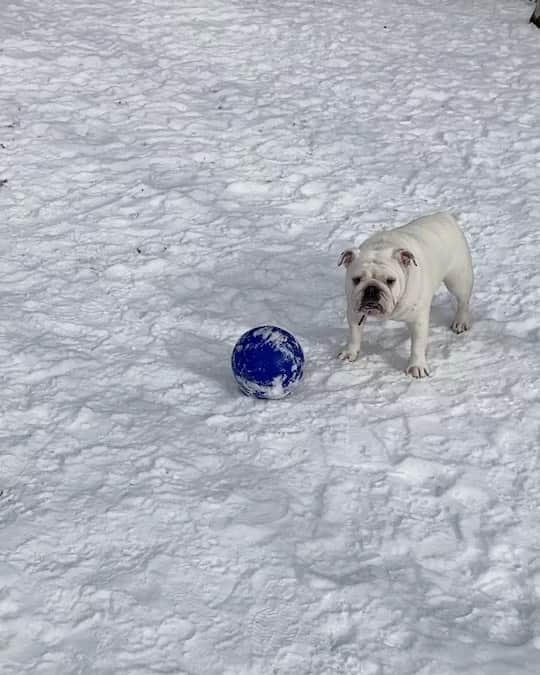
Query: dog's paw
x,y
418,370
348,354
460,326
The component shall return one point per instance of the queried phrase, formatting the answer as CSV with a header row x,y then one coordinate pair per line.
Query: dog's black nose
x,y
371,294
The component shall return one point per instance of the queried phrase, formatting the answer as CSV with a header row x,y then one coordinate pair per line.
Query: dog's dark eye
x,y
390,281
356,280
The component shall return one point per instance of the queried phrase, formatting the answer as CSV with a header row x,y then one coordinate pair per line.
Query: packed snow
x,y
175,172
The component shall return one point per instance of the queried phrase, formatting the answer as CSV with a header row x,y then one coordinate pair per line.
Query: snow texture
x,y
175,172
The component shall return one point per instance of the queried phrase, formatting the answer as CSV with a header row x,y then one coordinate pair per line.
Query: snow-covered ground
x,y
173,172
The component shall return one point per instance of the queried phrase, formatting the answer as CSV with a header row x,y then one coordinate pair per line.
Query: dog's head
x,y
376,279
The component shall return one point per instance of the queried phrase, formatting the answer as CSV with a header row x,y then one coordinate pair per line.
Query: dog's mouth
x,y
372,308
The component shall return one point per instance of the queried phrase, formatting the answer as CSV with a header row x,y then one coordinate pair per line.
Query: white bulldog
x,y
394,275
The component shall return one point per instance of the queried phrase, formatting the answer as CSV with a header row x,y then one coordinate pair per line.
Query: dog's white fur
x,y
403,268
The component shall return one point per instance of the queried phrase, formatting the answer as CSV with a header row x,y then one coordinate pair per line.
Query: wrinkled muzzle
x,y
373,300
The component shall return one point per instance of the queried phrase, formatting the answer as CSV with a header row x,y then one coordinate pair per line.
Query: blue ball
x,y
267,362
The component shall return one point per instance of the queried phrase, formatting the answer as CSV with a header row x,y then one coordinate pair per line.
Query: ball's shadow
x,y
208,358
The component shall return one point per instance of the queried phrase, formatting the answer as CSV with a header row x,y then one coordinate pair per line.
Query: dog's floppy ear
x,y
405,257
347,257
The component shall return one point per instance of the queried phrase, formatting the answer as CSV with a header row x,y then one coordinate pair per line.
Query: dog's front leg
x,y
352,348
419,331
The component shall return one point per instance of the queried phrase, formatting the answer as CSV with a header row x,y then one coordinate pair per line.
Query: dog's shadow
x,y
442,312
393,352
310,310
390,341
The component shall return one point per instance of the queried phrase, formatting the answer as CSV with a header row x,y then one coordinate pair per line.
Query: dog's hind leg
x,y
460,282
